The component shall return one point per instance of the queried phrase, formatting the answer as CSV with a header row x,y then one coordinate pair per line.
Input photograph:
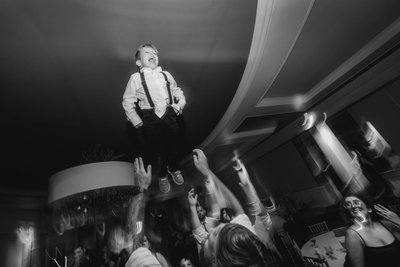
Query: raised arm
x,y
217,194
212,196
194,219
253,203
254,207
137,205
198,231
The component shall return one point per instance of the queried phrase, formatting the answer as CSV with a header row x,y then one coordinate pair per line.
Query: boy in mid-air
x,y
152,103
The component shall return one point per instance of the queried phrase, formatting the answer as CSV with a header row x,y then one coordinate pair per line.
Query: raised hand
x,y
143,176
192,198
387,214
200,161
242,173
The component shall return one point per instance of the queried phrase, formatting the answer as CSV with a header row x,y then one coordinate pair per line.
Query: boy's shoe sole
x,y
177,177
163,185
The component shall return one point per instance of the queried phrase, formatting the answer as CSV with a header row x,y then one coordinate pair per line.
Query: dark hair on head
x,y
369,203
238,246
123,257
228,211
185,258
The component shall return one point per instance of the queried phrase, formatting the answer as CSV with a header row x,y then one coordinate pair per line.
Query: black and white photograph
x,y
200,133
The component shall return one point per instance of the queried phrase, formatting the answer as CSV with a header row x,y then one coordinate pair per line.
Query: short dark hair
x,y
369,203
228,211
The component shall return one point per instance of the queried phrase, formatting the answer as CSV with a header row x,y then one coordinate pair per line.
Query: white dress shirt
x,y
158,91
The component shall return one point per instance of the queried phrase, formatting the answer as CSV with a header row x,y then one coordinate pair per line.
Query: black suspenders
x,y
146,89
168,87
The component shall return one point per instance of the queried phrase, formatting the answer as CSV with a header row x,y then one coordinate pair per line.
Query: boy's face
x,y
148,58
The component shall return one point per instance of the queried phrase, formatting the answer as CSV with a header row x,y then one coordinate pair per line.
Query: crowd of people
x,y
222,232
240,237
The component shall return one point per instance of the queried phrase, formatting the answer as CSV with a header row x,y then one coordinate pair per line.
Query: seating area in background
x,y
339,232
318,228
289,248
328,247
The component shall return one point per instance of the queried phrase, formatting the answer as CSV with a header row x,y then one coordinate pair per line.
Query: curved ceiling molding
x,y
376,43
276,29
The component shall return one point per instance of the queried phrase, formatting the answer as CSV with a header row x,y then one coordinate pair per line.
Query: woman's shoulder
x,y
352,231
353,235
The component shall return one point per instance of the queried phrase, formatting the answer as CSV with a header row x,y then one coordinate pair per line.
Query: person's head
x,y
146,242
185,262
105,252
146,56
142,257
226,215
79,253
201,212
358,206
233,245
123,257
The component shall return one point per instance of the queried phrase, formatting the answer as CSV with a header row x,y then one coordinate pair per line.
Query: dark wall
x,y
382,109
283,171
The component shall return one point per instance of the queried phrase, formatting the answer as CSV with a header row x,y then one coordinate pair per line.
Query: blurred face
x,y
146,243
104,251
185,263
201,213
78,254
148,58
225,216
356,207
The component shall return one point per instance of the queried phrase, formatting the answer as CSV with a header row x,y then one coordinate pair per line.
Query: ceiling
x,y
249,69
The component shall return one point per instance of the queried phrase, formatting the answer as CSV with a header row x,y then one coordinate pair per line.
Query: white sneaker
x,y
164,185
177,177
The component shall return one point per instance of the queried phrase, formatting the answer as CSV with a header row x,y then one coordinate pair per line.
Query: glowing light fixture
x,y
309,120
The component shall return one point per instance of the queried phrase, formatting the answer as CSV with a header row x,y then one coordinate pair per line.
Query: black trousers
x,y
159,138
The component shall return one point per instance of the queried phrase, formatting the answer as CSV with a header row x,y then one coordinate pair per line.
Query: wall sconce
x,y
312,118
309,120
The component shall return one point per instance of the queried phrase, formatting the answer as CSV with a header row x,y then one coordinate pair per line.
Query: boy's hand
x,y
177,109
140,124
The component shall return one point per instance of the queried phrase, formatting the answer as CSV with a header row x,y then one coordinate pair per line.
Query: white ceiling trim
x,y
300,102
385,71
264,102
356,59
232,138
261,29
267,54
296,102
